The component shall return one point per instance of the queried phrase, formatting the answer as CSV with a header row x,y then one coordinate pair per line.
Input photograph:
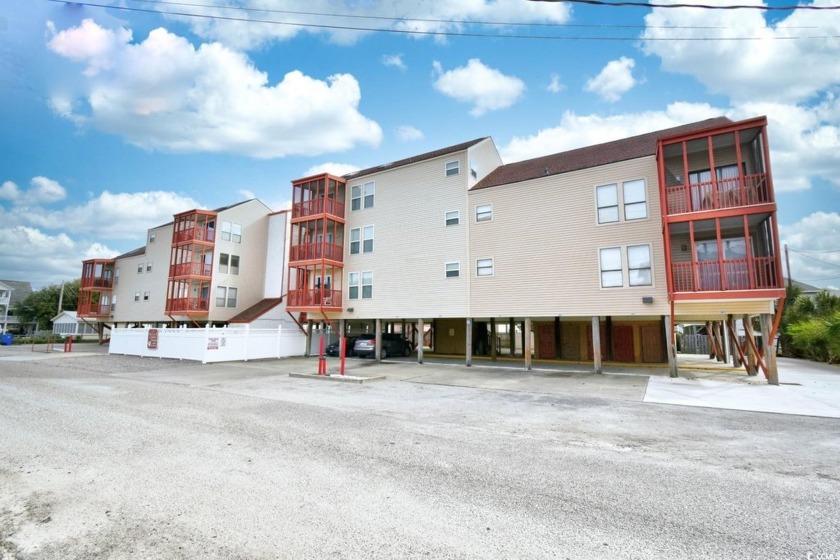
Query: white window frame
x,y
221,300
149,266
226,229
452,168
140,268
152,237
232,294
483,269
648,268
354,281
236,233
473,169
146,296
452,218
603,270
224,263
136,296
634,203
603,207
483,213
234,269
367,239
355,241
449,269
367,282
369,194
355,197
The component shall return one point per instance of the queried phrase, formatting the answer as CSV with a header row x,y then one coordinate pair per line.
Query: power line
x,y
701,6
817,252
815,259
439,33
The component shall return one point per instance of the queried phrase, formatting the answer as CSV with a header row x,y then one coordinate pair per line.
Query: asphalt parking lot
x,y
121,457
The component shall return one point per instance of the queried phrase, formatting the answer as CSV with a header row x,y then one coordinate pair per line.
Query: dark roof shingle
x,y
415,159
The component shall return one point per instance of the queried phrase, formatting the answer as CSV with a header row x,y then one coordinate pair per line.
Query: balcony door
x,y
735,267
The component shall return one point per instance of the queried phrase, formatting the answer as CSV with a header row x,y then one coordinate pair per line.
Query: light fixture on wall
x,y
647,299
349,310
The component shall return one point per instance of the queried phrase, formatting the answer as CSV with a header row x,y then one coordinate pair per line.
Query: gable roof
x,y
589,156
20,291
134,253
256,311
415,159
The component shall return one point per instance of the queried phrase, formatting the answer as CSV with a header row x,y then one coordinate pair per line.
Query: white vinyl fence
x,y
206,345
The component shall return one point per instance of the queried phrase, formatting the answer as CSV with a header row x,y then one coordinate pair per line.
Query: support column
x,y
377,352
469,341
493,348
557,338
596,345
608,346
342,331
767,348
670,347
526,343
748,334
308,338
512,336
420,344
731,335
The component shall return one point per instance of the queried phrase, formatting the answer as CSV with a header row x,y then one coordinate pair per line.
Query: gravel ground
x,y
123,457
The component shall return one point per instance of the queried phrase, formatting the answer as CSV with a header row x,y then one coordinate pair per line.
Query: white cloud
x,y
575,131
394,60
614,80
337,169
486,88
45,190
9,191
437,17
165,94
408,133
815,235
775,68
555,85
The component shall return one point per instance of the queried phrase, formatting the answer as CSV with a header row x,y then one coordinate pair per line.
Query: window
x,y
367,241
231,297
638,265
453,269
453,168
236,233
370,189
607,196
145,296
355,240
353,284
483,212
234,264
635,205
453,218
226,227
484,267
355,197
473,170
152,237
367,284
221,296
136,296
114,302
149,266
224,260
140,267
611,274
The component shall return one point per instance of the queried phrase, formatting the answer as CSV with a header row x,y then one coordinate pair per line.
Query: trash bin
x,y
6,339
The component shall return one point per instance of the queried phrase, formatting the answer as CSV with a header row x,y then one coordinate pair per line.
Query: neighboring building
x,y
809,290
67,323
12,292
204,267
628,237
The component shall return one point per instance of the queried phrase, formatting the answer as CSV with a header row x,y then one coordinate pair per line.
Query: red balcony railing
x,y
190,269
731,192
758,273
311,251
313,298
94,310
104,283
318,206
187,305
194,234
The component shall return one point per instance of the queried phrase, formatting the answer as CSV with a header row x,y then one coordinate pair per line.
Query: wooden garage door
x,y
653,344
545,334
570,341
622,343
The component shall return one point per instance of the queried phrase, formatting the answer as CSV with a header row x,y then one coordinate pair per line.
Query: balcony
x,y
744,190
94,310
316,251
98,283
756,273
194,234
314,298
199,269
188,305
318,206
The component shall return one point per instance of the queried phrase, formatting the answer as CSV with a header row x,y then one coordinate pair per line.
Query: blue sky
x,y
115,119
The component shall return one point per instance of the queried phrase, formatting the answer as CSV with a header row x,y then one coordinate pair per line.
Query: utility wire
x,y
701,6
439,33
817,252
815,259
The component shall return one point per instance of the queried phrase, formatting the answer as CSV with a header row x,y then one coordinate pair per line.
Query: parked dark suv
x,y
392,345
334,349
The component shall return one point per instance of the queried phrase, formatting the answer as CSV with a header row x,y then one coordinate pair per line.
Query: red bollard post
x,y
342,349
322,362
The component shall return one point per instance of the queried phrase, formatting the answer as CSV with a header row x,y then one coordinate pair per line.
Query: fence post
x,y
206,341
279,339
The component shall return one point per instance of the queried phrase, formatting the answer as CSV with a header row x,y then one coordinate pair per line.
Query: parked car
x,y
392,345
333,349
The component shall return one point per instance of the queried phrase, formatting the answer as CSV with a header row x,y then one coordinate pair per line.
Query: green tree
x,y
41,306
811,327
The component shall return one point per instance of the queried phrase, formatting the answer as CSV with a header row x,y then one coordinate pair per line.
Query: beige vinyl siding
x,y
411,242
485,157
717,310
250,282
545,240
155,282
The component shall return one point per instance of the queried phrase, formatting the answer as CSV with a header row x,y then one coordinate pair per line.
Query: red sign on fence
x,y
152,340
